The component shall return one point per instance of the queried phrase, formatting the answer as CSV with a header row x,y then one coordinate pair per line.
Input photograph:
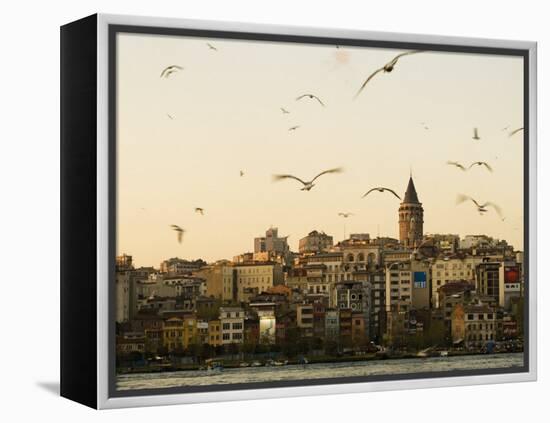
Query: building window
x,y
226,326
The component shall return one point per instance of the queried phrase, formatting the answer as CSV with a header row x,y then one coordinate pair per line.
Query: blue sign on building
x,y
420,279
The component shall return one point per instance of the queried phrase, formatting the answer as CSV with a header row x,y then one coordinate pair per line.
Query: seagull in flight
x,y
514,132
211,47
199,210
387,68
307,185
381,189
285,111
481,208
345,215
180,232
293,128
476,135
166,72
312,96
461,167
170,116
489,168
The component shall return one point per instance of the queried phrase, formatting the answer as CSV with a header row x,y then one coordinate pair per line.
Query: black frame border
x,y
114,29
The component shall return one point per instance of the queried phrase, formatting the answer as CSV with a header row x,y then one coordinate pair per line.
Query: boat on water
x,y
444,353
244,364
276,363
213,367
256,364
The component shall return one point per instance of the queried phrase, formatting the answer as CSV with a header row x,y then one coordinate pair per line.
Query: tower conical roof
x,y
410,194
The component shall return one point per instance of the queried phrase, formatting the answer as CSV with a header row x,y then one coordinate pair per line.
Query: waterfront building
x,y
322,271
130,343
177,266
123,263
304,319
172,334
358,329
232,325
202,334
315,242
296,279
220,280
267,323
345,324
271,242
332,324
214,333
475,325
451,269
477,241
407,286
122,296
360,253
255,278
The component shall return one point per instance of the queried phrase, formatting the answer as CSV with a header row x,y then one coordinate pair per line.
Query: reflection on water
x,y
317,371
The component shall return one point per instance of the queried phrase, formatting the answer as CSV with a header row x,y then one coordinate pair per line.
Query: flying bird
x,y
426,127
514,132
170,116
387,68
481,208
166,72
211,47
293,128
345,215
312,96
199,210
476,135
381,189
241,173
285,111
180,232
307,185
489,168
461,167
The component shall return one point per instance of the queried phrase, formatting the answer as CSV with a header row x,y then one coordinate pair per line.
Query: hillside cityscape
x,y
362,298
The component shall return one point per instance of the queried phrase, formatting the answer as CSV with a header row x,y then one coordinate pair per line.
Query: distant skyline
x,y
182,141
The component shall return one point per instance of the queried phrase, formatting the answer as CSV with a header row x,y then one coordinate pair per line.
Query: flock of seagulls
x,y
389,67
463,168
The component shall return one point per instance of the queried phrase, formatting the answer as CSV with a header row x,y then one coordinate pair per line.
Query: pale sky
x,y
226,114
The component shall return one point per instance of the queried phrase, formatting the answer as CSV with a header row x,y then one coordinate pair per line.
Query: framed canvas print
x,y
254,211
